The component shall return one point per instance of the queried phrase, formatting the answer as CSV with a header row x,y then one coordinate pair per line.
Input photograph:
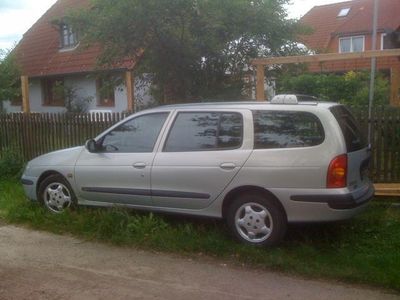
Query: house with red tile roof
x,y
50,55
347,27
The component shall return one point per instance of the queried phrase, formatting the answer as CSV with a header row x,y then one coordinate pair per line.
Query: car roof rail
x,y
293,99
285,99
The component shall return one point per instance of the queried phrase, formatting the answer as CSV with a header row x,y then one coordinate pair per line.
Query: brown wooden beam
x,y
26,108
325,57
130,90
260,88
395,86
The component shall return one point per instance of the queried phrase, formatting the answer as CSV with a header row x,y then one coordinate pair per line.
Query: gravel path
x,y
37,265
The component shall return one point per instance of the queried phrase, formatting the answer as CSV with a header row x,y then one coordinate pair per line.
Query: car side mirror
x,y
91,146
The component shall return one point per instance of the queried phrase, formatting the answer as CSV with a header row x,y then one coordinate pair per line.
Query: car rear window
x,y
286,129
352,134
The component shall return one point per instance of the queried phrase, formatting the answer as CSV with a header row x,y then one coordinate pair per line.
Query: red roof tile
x,y
39,50
325,22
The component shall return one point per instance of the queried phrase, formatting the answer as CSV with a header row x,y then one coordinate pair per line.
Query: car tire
x,y
256,220
56,195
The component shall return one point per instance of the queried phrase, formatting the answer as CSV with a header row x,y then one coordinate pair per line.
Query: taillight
x,y
337,172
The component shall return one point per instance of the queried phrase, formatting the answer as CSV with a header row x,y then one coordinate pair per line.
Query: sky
x,y
17,16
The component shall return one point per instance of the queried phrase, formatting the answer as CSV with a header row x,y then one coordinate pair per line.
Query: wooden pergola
x,y
261,63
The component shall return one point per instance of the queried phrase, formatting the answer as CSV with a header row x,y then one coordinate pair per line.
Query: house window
x,y
344,12
53,91
69,38
352,44
105,92
16,101
383,35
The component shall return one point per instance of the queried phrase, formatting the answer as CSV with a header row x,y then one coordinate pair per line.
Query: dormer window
x,y
343,12
68,38
352,44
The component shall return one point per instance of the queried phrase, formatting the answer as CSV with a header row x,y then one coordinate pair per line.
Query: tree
x,y
195,49
10,87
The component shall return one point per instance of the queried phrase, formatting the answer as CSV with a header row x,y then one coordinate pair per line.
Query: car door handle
x,y
227,166
139,165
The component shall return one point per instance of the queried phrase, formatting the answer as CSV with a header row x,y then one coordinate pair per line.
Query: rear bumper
x,y
340,201
324,205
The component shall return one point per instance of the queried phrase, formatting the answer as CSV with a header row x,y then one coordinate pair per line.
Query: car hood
x,y
66,157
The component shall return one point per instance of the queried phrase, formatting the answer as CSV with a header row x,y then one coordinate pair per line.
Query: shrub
x,y
352,88
11,164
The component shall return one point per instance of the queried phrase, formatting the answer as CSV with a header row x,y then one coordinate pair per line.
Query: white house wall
x,y
85,87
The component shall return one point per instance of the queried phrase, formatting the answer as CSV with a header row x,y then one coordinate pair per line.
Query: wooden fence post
x,y
25,94
130,90
395,86
260,89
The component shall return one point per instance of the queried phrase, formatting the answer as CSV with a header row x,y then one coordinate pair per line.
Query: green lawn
x,y
363,250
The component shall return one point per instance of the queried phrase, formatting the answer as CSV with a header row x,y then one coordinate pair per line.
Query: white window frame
x,y
382,42
344,12
351,43
66,31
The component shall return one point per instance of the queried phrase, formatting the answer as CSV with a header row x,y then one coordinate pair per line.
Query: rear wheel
x,y
256,220
56,194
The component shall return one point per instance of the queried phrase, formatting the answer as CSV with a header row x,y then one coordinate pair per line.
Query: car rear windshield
x,y
353,136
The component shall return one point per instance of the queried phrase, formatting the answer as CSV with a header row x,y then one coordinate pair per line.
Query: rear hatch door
x,y
358,151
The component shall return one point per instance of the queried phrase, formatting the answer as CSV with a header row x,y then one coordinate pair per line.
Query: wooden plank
x,y
375,164
395,87
260,89
387,189
396,142
325,57
130,90
386,138
25,94
392,146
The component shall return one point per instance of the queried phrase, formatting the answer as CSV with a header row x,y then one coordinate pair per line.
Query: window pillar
x,y
25,94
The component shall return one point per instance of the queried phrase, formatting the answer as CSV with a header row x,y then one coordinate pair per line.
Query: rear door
x,y
201,154
358,152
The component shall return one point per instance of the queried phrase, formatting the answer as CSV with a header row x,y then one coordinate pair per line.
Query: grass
x,y
364,250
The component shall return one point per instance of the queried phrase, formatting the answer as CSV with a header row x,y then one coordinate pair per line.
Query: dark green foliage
x,y
10,87
363,250
196,49
351,88
11,164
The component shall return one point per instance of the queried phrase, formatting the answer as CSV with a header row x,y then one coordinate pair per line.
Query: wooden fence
x,y
34,134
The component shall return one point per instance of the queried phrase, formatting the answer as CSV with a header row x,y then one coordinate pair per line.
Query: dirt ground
x,y
36,265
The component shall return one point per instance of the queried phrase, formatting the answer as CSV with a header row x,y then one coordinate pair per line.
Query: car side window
x,y
286,129
138,135
205,131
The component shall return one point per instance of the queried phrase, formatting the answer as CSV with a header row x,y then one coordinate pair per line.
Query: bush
x,y
351,88
11,164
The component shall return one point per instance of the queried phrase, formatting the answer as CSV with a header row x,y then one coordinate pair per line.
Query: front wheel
x,y
56,194
255,220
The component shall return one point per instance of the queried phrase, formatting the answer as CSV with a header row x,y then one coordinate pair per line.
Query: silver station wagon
x,y
259,166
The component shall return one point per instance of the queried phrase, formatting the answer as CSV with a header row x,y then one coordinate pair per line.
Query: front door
x,y
120,170
202,153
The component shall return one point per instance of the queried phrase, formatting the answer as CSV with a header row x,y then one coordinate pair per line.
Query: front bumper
x,y
29,185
